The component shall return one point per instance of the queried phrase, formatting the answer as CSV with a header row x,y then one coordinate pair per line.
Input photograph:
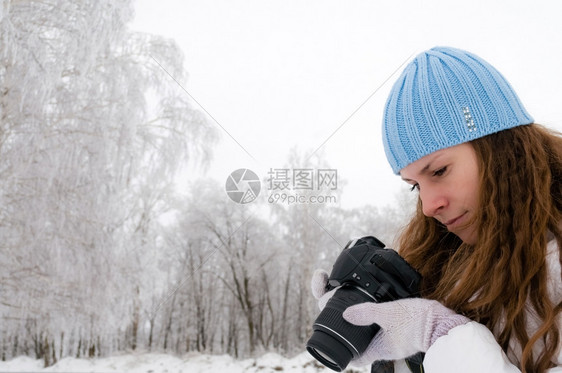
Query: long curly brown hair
x,y
493,280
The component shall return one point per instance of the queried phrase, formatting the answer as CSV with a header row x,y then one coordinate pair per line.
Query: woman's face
x,y
448,185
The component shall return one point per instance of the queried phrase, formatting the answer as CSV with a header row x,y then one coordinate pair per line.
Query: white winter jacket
x,y
473,348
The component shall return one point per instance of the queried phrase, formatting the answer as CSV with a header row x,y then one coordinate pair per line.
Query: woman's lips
x,y
455,221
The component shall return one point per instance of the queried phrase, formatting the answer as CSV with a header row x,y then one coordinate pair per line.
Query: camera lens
x,y
334,341
329,350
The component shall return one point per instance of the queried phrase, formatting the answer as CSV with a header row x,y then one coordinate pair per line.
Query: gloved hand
x,y
318,285
408,326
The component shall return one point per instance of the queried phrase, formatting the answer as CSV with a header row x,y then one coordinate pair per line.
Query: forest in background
x,y
100,252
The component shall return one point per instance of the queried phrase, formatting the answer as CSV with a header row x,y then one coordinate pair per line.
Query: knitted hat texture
x,y
446,97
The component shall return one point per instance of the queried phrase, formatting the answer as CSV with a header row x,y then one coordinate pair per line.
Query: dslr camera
x,y
364,272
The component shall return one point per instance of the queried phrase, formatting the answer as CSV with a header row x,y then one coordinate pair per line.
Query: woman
x,y
487,233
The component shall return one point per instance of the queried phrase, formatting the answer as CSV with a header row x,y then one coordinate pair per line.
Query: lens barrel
x,y
334,341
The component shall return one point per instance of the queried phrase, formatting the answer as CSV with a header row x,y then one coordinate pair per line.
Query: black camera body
x,y
364,272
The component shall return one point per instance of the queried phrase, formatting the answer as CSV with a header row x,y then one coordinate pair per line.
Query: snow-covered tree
x,y
92,134
228,273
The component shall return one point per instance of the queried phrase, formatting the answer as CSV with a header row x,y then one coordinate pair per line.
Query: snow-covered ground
x,y
162,363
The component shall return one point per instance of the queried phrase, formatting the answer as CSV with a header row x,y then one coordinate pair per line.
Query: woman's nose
x,y
433,200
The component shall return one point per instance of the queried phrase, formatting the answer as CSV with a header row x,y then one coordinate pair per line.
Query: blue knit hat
x,y
446,97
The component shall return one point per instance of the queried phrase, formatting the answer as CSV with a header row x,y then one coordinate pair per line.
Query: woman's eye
x,y
440,171
415,187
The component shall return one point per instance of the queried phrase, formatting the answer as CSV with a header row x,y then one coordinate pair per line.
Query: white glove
x,y
318,285
408,326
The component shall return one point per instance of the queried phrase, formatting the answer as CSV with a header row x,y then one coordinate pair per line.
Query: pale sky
x,y
279,74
